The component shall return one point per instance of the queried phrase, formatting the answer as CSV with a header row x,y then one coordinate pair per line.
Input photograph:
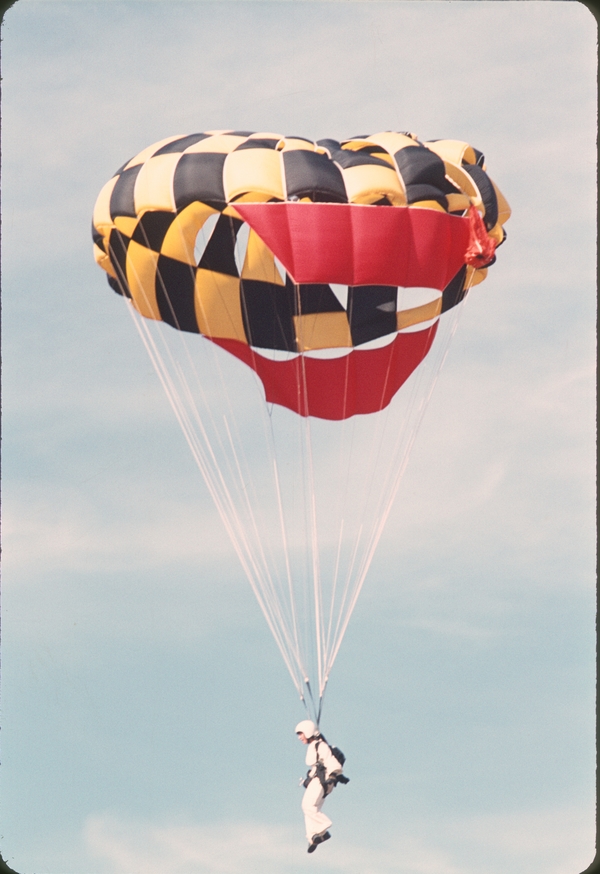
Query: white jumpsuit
x,y
313,798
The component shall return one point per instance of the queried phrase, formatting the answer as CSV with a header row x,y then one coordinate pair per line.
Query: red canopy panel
x,y
363,381
356,244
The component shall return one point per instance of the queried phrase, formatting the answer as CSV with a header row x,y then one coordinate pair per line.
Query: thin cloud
x,y
563,839
222,848
63,531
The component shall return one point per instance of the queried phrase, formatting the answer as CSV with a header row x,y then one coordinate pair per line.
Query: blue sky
x,y
147,718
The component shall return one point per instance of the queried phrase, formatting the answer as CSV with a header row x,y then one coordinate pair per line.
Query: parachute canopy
x,y
335,271
244,237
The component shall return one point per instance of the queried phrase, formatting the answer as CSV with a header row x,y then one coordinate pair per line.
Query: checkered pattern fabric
x,y
167,233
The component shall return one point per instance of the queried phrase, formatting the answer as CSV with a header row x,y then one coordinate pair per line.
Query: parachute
x,y
335,272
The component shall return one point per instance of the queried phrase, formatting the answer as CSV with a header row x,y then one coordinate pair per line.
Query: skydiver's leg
x,y
312,802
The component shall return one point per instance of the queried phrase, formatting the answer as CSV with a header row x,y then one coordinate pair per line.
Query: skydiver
x,y
324,772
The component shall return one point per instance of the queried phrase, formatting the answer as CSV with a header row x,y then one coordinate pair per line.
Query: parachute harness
x,y
328,784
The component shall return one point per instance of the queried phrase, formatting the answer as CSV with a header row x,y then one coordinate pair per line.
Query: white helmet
x,y
307,728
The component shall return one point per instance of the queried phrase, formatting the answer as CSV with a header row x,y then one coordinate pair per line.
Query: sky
x,y
147,718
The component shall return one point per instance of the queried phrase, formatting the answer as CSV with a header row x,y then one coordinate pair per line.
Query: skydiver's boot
x,y
316,840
